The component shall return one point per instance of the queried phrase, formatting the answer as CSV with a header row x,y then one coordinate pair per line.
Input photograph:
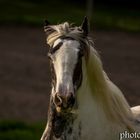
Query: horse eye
x,y
81,53
50,56
80,29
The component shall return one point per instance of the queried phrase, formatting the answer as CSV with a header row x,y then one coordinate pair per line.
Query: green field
x,y
27,13
13,130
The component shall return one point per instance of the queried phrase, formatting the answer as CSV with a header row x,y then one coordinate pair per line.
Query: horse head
x,y
65,54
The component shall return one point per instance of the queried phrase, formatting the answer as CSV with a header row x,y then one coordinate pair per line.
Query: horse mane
x,y
108,95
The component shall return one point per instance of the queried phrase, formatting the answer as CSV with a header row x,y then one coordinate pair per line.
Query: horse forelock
x,y
68,31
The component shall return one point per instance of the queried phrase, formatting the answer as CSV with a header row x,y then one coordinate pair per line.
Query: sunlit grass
x,y
122,19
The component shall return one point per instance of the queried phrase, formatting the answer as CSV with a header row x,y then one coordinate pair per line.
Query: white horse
x,y
84,103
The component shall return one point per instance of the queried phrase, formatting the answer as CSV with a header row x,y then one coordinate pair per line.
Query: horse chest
x,y
67,127
70,134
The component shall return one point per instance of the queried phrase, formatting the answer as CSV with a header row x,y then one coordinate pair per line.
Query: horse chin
x,y
63,110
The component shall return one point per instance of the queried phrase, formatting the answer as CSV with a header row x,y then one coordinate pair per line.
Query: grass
x,y
27,13
15,130
113,18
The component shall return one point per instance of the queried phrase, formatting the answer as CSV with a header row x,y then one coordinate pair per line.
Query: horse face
x,y
65,56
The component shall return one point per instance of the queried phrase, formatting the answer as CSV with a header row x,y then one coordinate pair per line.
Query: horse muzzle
x,y
64,101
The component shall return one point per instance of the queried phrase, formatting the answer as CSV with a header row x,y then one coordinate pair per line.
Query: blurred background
x,y
24,67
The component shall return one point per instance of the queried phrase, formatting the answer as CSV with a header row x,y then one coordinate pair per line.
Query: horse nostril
x,y
58,100
71,99
64,101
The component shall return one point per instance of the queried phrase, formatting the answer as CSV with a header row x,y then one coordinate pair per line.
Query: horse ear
x,y
47,22
47,28
85,26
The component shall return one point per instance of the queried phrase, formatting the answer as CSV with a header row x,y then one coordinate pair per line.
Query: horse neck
x,y
101,94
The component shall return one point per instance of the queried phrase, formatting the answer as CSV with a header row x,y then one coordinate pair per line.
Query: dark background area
x,y
24,67
110,14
